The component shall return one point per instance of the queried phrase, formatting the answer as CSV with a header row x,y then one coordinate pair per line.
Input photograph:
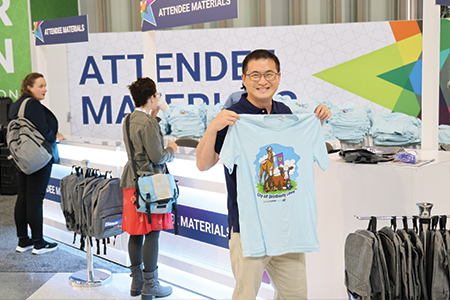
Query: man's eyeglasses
x,y
269,76
158,95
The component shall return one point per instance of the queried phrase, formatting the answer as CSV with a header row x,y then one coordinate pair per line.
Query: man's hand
x,y
322,112
223,119
206,155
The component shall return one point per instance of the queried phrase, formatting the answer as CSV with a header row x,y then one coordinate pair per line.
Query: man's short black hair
x,y
260,54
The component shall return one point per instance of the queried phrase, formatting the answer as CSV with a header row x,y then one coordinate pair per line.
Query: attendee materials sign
x,y
160,14
61,31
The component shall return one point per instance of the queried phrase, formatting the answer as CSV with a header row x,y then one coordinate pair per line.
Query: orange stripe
x,y
404,29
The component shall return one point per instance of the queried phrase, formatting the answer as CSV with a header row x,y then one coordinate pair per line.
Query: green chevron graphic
x,y
360,76
384,78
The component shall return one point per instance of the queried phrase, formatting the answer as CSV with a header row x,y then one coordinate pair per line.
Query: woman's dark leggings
x,y
146,251
30,197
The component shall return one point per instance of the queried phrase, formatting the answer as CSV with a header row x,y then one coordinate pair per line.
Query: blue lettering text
x,y
223,69
114,59
125,103
138,58
181,61
160,67
106,103
90,61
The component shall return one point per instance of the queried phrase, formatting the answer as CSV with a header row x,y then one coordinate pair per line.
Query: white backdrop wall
x,y
99,72
196,66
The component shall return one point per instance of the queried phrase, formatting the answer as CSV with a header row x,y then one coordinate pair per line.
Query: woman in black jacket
x,y
31,188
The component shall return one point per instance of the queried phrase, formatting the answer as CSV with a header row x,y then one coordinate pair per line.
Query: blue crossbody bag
x,y
155,193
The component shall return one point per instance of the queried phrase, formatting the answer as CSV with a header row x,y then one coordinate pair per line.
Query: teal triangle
x,y
443,57
399,76
408,86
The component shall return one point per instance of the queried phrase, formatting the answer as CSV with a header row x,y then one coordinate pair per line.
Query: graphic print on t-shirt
x,y
276,172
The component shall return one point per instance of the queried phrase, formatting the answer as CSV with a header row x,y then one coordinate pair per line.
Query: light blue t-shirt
x,y
275,157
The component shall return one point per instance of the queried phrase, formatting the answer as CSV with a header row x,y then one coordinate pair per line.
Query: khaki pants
x,y
287,273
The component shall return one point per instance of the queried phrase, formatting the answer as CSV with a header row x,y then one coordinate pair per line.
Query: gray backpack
x,y
106,209
86,214
92,205
78,203
29,149
67,186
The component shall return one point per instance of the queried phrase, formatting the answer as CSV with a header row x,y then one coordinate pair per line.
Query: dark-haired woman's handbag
x,y
158,194
155,193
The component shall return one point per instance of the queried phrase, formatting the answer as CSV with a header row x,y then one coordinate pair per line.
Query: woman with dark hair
x,y
31,188
150,157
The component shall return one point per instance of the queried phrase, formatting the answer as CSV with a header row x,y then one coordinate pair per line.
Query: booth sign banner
x,y
443,2
160,14
202,225
15,57
61,31
53,191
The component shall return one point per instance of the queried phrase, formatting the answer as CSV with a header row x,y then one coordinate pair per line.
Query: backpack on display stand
x,y
92,206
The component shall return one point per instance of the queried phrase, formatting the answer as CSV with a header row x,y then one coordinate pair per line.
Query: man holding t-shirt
x,y
261,78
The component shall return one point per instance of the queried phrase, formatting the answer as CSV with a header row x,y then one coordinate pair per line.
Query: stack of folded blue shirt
x,y
233,98
444,134
164,123
328,132
395,129
297,107
351,124
187,120
213,111
308,107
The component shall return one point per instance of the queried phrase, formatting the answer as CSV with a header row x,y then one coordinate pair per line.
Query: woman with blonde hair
x,y
31,188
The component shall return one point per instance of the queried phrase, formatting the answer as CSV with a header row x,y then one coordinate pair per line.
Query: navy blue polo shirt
x,y
241,107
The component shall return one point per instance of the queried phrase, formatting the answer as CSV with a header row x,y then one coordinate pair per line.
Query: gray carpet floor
x,y
65,259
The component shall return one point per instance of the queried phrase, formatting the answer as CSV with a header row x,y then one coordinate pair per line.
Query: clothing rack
x,y
90,277
424,212
384,217
424,218
427,231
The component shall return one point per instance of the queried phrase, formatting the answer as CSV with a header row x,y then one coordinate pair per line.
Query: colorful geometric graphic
x,y
392,76
38,30
147,12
